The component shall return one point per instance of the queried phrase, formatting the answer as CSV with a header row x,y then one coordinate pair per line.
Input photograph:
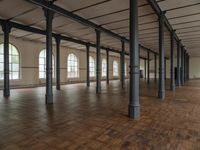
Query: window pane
x,y
42,64
72,66
1,75
15,67
15,75
1,58
13,61
1,67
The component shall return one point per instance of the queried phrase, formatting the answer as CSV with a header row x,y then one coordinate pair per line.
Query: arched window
x,y
115,69
72,66
13,62
104,67
92,66
42,64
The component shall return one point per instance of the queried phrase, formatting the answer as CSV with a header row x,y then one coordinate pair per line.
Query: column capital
x,y
57,38
47,11
6,26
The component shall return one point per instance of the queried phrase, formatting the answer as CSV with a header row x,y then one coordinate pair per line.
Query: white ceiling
x,y
184,16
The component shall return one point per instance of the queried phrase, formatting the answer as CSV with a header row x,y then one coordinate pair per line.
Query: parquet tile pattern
x,y
81,120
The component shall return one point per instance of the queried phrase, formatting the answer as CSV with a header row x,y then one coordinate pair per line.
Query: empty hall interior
x,y
99,75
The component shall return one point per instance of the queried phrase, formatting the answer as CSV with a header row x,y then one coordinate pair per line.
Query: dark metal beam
x,y
134,105
65,38
159,13
75,17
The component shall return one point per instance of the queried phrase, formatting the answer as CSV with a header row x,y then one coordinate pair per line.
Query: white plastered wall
x,y
29,62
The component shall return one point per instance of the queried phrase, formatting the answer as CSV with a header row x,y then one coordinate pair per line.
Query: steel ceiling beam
x,y
158,11
75,17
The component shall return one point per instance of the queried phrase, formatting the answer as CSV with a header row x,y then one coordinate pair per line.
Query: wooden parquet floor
x,y
81,120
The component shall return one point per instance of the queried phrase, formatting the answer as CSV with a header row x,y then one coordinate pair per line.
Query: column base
x,y
134,112
6,92
161,95
49,99
57,87
98,90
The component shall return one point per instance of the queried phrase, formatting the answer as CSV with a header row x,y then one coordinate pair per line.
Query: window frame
x,y
53,65
115,68
93,67
78,71
10,63
104,74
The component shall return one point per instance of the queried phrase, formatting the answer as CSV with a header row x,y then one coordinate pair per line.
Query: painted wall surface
x,y
29,63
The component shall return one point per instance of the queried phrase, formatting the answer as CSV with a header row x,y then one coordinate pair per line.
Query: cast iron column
x,y
49,19
98,63
178,63
155,67
57,38
172,77
165,68
182,65
161,90
6,27
107,69
88,64
148,67
188,67
185,65
145,69
134,105
122,65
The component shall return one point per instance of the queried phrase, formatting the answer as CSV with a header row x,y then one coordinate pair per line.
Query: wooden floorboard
x,y
81,120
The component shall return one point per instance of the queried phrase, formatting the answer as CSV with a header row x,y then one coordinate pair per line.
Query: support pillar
x,y
6,27
148,67
57,38
185,64
49,19
182,65
178,63
165,69
134,105
98,63
88,64
188,67
107,69
122,65
155,67
172,76
161,90
145,69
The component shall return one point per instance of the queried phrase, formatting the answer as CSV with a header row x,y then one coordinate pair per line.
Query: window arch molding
x,y
72,66
14,62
